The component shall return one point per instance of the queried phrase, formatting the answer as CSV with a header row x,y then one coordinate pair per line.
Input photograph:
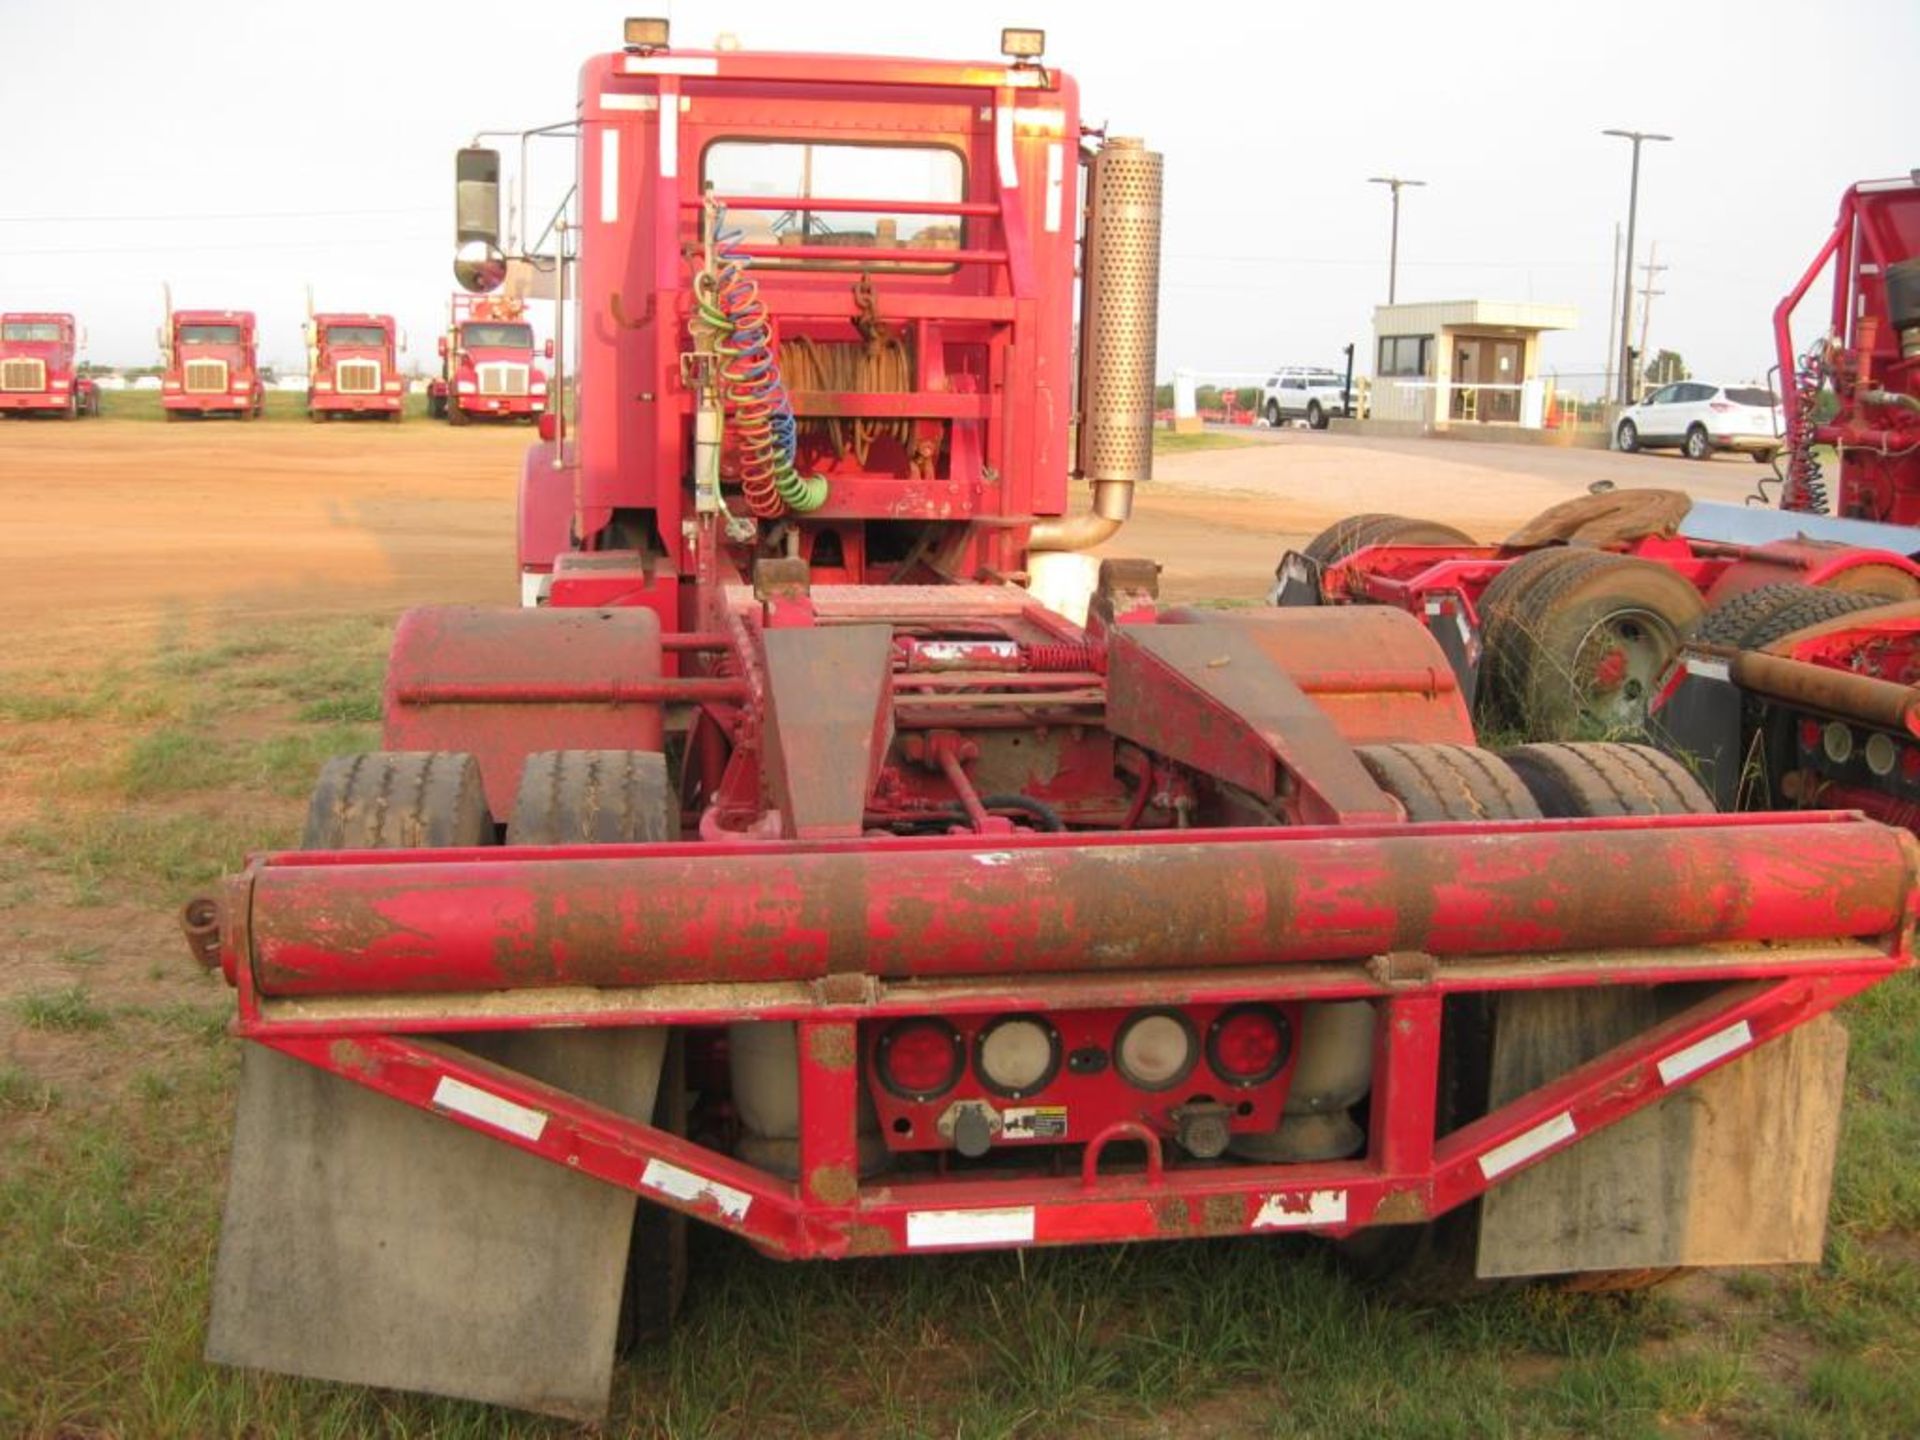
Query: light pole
x,y
1393,254
1633,214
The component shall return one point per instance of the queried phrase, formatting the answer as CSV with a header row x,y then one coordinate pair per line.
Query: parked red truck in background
x,y
486,363
38,375
353,367
212,364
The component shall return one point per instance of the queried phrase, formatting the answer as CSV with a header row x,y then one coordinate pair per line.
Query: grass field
x,y
129,782
280,405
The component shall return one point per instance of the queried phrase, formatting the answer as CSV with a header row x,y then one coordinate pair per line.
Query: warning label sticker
x,y
1034,1122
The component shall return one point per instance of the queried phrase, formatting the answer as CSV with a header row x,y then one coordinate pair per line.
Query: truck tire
x,y
456,415
594,797
1436,783
1576,642
398,799
1316,416
1568,781
1760,616
619,797
1357,532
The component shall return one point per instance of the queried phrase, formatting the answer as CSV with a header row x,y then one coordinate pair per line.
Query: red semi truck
x,y
212,365
353,367
858,899
487,365
38,367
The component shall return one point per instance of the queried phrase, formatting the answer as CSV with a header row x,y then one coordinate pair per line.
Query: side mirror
x,y
478,265
476,196
549,350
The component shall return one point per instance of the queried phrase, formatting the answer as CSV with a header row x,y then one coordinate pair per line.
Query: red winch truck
x,y
211,364
842,857
39,367
353,367
487,363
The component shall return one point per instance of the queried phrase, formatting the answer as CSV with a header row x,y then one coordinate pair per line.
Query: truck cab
x,y
212,365
353,367
39,367
487,363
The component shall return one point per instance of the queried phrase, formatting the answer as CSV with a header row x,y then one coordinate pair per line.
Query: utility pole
x,y
1613,316
1633,216
1647,292
1393,252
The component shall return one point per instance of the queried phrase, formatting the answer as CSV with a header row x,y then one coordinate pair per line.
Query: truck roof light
x,y
1017,44
646,32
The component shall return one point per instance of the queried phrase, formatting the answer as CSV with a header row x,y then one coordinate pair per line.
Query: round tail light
x,y
1155,1049
1249,1044
1017,1055
919,1059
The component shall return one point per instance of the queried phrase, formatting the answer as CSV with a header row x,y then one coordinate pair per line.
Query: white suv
x,y
1303,394
1699,419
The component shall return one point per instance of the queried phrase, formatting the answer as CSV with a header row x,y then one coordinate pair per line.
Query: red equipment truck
x,y
211,365
487,363
39,367
1575,623
353,367
798,869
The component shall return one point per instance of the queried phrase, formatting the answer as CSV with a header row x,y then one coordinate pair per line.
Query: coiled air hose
x,y
727,302
1806,487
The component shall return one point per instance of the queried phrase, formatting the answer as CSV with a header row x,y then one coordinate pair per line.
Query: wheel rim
x,y
1618,667
1696,445
1629,437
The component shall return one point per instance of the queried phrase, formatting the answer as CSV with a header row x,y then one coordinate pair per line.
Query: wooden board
x,y
1734,1169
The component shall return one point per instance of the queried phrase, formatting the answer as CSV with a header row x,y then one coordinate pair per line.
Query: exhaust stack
x,y
1119,324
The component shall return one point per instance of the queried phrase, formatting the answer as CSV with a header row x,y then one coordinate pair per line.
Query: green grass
x,y
71,1008
281,406
1172,442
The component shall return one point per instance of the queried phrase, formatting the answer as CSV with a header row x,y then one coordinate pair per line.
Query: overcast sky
x,y
243,149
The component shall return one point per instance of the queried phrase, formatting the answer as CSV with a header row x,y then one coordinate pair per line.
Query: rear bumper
x,y
1746,444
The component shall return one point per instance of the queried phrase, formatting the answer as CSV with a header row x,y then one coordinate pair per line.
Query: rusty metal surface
x,y
828,724
1373,669
546,655
1212,697
482,920
1871,701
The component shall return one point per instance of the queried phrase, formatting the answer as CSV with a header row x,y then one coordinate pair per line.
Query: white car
x,y
1697,419
1303,394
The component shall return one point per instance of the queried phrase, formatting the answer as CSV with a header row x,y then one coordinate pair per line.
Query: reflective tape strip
x,y
609,175
1708,669
1702,1053
1523,1147
669,141
1301,1209
670,1179
489,1108
1056,185
1003,147
930,1228
610,101
670,65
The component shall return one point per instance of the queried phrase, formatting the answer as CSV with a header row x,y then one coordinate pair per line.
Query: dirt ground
x,y
113,527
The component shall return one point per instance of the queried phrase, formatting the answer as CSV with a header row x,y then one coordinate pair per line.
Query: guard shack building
x,y
1459,363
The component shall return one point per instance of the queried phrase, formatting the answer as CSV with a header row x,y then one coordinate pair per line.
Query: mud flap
x,y
371,1243
1734,1169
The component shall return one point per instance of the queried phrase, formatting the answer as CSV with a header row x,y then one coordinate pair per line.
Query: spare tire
x,y
1357,532
1577,641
